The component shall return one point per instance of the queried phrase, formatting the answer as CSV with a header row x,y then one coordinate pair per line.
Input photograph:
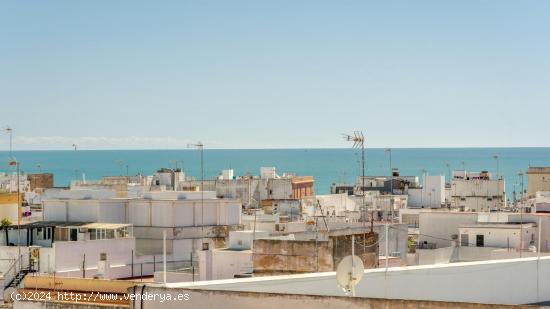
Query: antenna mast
x,y
358,139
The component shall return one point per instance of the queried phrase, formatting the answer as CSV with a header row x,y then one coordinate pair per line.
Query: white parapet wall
x,y
514,281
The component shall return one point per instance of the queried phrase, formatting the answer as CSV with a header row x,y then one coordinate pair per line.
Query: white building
x,y
8,182
430,195
499,235
439,229
167,179
386,184
542,201
477,191
331,205
70,249
252,190
191,222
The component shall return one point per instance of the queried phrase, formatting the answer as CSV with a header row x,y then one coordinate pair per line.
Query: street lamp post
x,y
388,150
449,171
200,147
120,163
9,130
13,162
498,170
520,174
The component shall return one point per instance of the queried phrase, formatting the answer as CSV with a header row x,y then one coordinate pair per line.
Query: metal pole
x,y
11,138
192,266
18,213
202,185
363,182
391,189
200,146
84,266
387,246
352,264
352,247
539,240
164,255
9,130
521,217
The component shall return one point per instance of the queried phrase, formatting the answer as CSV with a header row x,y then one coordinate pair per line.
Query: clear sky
x,y
260,74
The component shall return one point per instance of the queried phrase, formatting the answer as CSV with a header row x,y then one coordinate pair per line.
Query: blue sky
x,y
261,74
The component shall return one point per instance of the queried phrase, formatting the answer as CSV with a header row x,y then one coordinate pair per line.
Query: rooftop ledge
x,y
211,285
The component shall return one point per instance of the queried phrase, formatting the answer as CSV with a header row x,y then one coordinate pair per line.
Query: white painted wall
x,y
179,195
143,212
478,195
243,240
105,211
224,264
523,281
438,227
119,254
501,237
431,195
77,194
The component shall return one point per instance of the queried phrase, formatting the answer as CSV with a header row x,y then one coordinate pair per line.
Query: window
x,y
40,233
464,241
204,246
479,241
101,234
62,234
74,235
93,235
109,234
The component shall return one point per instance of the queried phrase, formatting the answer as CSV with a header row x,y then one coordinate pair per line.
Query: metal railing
x,y
22,262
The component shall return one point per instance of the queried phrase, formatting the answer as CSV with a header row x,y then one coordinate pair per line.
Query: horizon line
x,y
279,148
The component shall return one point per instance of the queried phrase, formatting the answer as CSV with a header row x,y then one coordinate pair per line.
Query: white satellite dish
x,y
349,272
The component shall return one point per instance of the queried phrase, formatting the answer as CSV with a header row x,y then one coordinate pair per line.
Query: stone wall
x,y
273,256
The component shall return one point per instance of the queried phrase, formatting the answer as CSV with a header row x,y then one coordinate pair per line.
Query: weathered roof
x,y
53,224
91,225
99,225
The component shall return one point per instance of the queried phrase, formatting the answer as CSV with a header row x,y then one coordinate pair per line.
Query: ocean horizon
x,y
326,165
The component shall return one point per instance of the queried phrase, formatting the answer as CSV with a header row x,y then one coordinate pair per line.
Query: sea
x,y
327,166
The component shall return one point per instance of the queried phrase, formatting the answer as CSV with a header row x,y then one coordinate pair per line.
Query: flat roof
x,y
99,225
92,225
504,225
54,223
246,284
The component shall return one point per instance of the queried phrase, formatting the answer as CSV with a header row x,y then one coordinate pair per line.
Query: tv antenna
x,y
358,139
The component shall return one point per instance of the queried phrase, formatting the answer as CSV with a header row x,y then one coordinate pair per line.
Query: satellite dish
x,y
349,272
